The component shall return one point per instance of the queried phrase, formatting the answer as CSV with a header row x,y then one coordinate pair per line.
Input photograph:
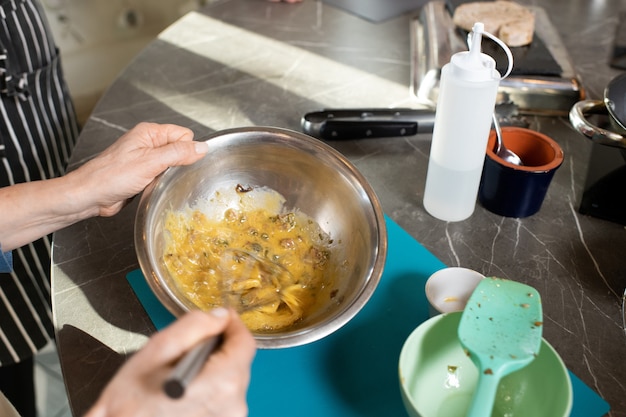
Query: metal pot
x,y
614,104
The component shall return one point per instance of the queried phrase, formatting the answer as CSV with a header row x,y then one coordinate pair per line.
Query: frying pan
x,y
614,104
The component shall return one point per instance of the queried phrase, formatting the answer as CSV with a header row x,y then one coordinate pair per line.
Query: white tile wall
x,y
98,38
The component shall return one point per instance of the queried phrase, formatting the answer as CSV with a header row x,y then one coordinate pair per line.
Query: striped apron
x,y
38,130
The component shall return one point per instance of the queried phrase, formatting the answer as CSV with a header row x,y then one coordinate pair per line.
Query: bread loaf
x,y
513,23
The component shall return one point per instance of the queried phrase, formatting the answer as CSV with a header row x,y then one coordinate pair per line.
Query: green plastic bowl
x,y
437,378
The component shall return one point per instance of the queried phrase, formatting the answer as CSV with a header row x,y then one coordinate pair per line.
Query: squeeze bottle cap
x,y
475,66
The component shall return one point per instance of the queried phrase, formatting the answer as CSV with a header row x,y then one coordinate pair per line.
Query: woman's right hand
x,y
218,390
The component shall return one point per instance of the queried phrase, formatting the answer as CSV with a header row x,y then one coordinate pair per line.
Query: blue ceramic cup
x,y
518,191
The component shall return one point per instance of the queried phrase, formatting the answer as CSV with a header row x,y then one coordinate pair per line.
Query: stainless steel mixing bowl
x,y
312,177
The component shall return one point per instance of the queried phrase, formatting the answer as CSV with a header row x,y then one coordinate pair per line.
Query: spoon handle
x,y
498,129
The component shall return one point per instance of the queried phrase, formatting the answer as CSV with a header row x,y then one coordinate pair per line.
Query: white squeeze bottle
x,y
465,106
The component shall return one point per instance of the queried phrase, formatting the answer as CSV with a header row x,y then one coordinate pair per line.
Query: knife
x,y
338,124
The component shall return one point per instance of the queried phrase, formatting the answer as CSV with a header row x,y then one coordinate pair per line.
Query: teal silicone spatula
x,y
500,328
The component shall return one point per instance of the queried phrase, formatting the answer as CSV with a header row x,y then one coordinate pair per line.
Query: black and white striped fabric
x,y
38,130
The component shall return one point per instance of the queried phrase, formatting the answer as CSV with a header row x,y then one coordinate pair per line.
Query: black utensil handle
x,y
337,130
338,124
189,366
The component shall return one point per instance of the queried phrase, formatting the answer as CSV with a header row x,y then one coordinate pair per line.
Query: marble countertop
x,y
251,62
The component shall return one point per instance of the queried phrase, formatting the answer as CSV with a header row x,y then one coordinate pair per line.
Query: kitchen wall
x,y
98,38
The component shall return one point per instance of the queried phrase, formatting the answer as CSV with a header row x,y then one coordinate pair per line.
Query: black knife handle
x,y
337,124
337,130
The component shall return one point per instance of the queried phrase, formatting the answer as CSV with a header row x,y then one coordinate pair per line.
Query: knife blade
x,y
345,124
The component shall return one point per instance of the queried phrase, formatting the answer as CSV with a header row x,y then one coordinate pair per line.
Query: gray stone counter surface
x,y
251,62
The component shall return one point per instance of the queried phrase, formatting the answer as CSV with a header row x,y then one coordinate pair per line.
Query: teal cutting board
x,y
354,371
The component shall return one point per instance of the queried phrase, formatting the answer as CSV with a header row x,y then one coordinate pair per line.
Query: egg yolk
x,y
272,268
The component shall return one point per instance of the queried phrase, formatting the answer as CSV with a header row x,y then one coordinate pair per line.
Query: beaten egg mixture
x,y
271,268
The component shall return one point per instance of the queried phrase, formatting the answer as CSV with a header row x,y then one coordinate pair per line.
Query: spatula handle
x,y
484,396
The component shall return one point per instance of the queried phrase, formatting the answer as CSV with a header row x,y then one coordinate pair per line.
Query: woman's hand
x,y
218,390
125,168
100,187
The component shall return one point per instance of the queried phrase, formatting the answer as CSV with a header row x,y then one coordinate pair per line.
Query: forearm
x,y
31,210
100,187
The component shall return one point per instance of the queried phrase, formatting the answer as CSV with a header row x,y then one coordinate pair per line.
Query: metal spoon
x,y
501,150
